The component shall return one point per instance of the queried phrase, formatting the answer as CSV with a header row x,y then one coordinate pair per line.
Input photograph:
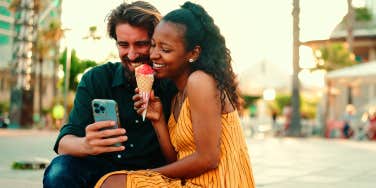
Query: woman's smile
x,y
157,66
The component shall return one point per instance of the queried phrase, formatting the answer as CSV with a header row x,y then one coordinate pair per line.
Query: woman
x,y
203,140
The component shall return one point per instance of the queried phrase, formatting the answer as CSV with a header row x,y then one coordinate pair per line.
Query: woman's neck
x,y
181,81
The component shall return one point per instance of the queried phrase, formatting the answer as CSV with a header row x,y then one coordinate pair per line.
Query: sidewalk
x,y
276,162
313,162
21,145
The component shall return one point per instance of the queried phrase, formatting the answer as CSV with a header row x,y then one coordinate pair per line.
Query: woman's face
x,y
168,52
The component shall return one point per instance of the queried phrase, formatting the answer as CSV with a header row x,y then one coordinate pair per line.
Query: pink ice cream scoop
x,y
144,78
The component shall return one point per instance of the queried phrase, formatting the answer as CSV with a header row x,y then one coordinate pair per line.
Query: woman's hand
x,y
154,109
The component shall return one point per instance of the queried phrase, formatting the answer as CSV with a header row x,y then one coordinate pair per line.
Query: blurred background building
x,y
352,87
28,58
6,41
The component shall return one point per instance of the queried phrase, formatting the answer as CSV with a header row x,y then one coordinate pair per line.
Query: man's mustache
x,y
139,59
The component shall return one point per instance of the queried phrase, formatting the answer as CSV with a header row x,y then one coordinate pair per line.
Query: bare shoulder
x,y
201,86
200,79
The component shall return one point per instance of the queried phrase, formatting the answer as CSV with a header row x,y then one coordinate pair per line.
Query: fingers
x,y
100,125
137,97
106,149
109,141
138,104
101,130
140,110
153,97
101,136
108,133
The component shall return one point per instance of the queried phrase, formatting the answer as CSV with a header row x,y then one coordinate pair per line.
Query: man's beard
x,y
129,75
139,59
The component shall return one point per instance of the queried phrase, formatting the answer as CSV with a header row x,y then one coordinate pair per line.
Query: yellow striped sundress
x,y
233,171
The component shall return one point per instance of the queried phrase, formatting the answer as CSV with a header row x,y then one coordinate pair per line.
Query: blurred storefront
x,y
354,85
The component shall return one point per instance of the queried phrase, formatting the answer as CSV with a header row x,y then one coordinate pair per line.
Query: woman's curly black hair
x,y
215,58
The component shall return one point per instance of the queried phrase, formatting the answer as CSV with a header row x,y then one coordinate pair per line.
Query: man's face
x,y
133,44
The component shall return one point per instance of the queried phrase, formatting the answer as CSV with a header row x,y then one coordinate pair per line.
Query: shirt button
x,y
118,156
136,121
131,145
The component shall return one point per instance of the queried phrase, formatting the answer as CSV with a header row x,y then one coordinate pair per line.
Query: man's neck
x,y
129,77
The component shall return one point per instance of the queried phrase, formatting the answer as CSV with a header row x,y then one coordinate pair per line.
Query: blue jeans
x,y
72,172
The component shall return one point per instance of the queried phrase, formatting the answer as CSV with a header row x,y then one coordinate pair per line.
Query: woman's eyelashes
x,y
153,46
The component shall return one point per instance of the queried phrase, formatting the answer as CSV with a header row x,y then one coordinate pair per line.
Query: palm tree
x,y
349,25
92,34
43,41
48,39
295,126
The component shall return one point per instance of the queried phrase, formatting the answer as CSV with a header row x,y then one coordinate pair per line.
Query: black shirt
x,y
109,81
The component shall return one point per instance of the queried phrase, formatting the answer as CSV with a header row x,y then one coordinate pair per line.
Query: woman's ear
x,y
194,54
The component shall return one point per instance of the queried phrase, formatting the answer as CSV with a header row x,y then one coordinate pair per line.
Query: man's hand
x,y
155,109
100,138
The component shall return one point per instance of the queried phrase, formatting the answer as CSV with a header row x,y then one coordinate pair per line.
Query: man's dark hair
x,y
138,14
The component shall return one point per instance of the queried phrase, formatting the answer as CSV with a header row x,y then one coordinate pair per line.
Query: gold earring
x,y
191,60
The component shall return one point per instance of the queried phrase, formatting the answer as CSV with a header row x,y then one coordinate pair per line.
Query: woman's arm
x,y
163,136
206,120
155,115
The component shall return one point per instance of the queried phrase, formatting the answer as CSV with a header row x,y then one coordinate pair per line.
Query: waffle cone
x,y
144,84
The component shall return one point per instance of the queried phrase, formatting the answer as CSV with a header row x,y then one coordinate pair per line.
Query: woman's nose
x,y
153,54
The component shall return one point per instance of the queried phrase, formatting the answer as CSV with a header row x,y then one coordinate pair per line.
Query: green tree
x,y
333,56
47,40
363,14
93,34
77,67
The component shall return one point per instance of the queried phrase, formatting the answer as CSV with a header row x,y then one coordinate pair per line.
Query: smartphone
x,y
105,110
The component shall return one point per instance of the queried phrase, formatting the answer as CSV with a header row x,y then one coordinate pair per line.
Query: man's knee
x,y
60,169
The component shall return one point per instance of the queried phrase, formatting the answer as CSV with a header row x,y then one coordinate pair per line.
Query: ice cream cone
x,y
144,79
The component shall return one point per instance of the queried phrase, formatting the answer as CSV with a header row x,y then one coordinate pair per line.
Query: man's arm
x,y
82,137
95,142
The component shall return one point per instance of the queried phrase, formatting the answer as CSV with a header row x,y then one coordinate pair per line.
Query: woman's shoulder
x,y
200,77
202,83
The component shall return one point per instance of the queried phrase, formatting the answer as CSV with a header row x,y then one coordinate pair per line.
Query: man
x,y
87,152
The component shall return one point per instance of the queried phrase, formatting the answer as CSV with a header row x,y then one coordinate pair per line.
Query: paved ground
x,y
277,162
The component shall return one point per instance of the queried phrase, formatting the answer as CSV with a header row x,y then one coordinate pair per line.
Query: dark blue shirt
x,y
110,81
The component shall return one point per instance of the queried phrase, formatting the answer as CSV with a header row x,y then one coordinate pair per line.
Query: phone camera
x,y
98,108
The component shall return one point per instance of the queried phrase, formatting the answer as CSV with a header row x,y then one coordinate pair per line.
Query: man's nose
x,y
132,54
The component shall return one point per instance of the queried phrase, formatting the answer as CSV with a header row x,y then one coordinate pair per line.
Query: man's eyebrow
x,y
143,42
121,42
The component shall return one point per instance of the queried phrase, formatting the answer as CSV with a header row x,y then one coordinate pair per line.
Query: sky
x,y
255,30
